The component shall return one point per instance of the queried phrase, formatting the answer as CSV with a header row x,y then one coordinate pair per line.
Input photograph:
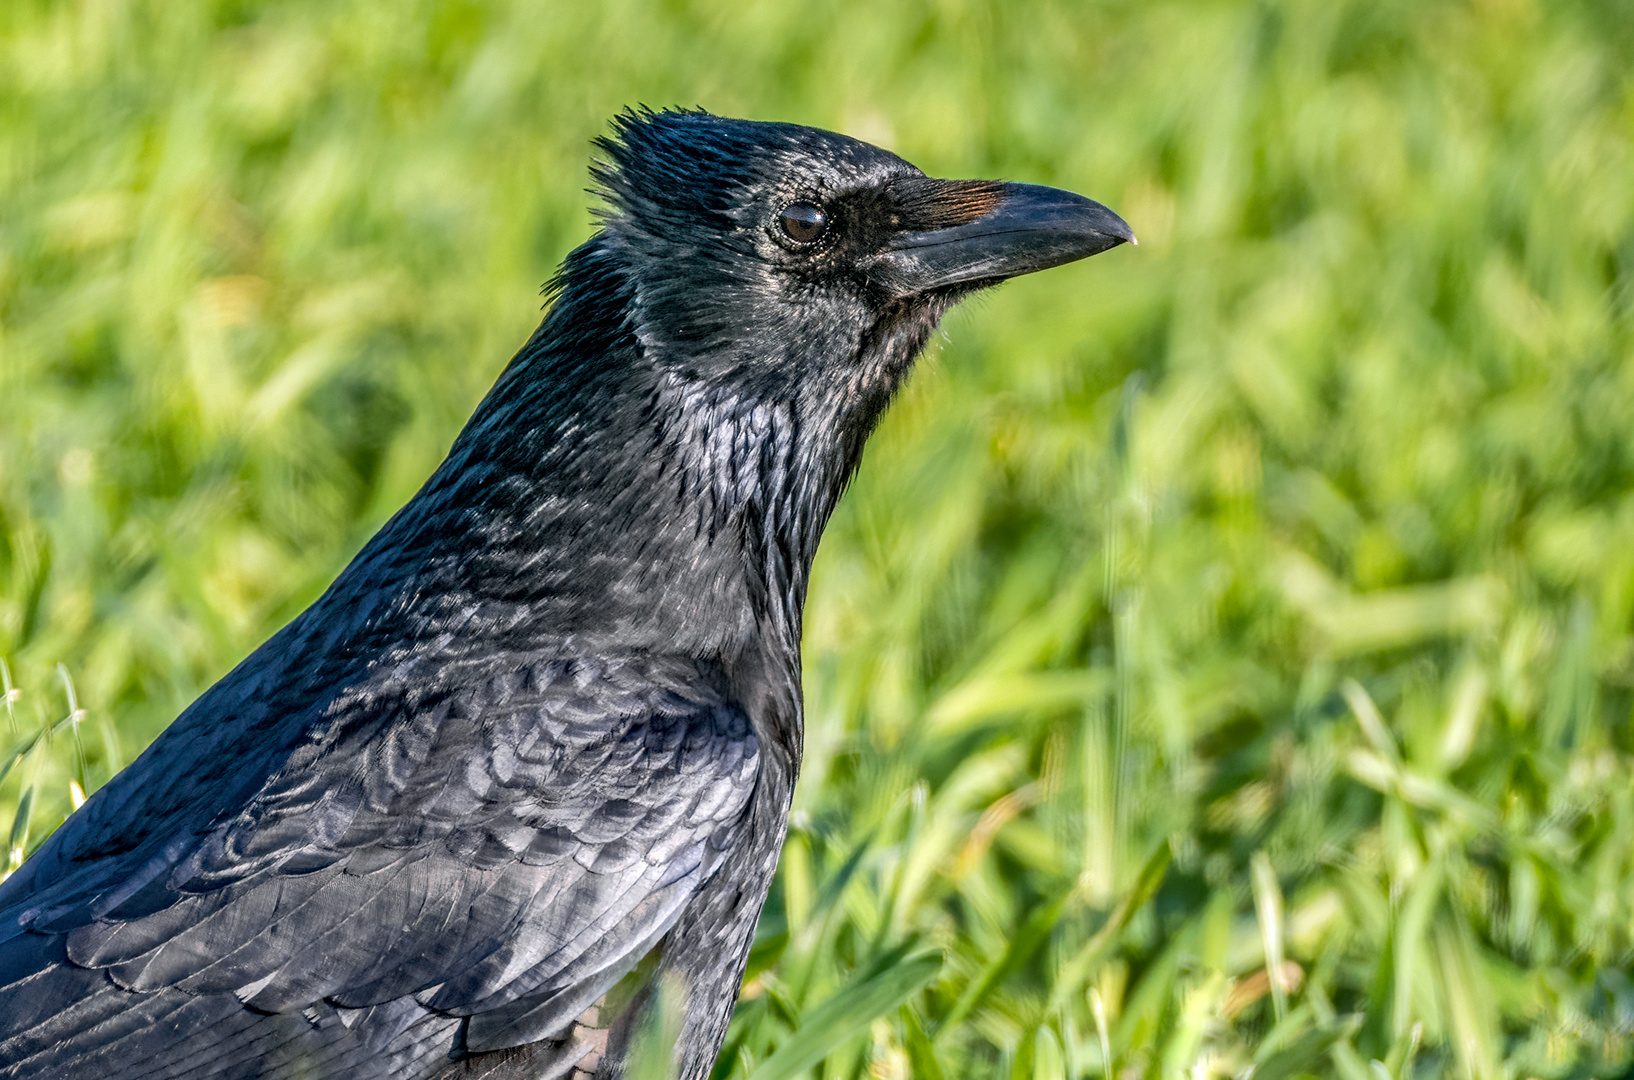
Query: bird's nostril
x,y
802,222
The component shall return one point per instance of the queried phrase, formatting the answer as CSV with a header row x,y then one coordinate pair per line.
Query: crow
x,y
543,731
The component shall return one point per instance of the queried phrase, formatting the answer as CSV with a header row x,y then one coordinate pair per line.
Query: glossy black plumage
x,y
548,720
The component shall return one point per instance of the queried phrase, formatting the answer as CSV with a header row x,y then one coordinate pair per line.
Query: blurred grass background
x,y
1225,658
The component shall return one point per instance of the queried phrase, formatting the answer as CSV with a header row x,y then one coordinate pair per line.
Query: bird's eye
x,y
802,222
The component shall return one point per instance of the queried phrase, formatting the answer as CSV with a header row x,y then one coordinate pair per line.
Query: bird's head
x,y
660,459
718,353
797,263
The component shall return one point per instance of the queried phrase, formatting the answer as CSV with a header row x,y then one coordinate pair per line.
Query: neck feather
x,y
600,490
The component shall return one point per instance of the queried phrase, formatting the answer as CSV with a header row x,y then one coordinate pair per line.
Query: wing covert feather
x,y
495,850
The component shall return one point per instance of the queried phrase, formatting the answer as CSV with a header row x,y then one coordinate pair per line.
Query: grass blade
x,y
848,1013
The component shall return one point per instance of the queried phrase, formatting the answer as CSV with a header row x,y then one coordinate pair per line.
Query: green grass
x,y
1226,655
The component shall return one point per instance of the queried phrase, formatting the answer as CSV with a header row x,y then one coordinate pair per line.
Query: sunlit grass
x,y
1264,592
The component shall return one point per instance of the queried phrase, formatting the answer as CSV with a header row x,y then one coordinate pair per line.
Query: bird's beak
x,y
1027,228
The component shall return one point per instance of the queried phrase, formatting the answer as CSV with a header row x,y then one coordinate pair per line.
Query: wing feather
x,y
501,851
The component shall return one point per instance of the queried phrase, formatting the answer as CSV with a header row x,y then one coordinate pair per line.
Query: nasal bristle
x,y
925,203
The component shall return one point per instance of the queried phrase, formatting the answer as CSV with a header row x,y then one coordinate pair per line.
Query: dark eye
x,y
802,222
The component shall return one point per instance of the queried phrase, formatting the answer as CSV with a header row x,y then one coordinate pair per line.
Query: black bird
x,y
548,722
